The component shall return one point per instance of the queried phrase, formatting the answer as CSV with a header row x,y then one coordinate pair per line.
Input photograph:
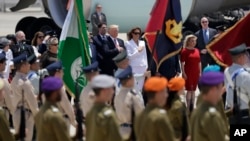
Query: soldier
x,y
6,102
5,134
49,120
237,83
56,70
87,95
153,123
23,91
177,110
33,73
206,117
101,121
126,102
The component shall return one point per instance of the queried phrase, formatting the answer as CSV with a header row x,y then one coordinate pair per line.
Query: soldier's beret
x,y
103,81
120,57
91,68
213,68
2,57
242,48
54,66
4,42
125,74
21,58
211,78
176,84
1,84
32,59
50,84
155,84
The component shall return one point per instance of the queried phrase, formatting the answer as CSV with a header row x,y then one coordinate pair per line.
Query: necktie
x,y
205,36
115,42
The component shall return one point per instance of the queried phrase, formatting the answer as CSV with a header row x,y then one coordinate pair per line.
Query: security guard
x,y
23,91
5,134
177,110
206,117
6,103
56,70
87,96
50,123
126,102
101,121
153,123
238,79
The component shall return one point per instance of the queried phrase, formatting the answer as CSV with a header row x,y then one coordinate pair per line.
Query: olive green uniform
x,y
207,124
50,124
102,124
5,134
176,115
153,125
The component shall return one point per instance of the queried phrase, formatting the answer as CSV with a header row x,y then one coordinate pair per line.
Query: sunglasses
x,y
204,21
136,33
40,37
54,44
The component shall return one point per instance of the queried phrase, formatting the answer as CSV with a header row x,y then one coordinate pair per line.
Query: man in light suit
x,y
204,35
96,18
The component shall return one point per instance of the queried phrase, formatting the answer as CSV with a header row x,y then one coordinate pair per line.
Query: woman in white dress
x,y
137,56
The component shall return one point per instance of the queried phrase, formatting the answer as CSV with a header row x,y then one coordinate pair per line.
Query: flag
x,y
232,37
74,46
166,18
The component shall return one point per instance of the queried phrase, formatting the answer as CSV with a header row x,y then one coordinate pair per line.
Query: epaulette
x,y
107,112
162,111
133,92
54,109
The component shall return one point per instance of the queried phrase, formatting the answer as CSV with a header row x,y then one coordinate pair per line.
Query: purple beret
x,y
51,84
211,78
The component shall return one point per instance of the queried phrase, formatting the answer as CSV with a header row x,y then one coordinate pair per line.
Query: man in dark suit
x,y
96,18
107,49
204,35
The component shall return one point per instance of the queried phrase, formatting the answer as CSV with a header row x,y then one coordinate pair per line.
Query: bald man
x,y
204,35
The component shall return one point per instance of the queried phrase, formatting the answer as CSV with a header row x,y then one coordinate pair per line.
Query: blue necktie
x,y
205,36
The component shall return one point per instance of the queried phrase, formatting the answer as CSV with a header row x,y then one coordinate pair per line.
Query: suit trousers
x,y
29,123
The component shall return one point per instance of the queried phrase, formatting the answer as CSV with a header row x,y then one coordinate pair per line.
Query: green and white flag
x,y
74,47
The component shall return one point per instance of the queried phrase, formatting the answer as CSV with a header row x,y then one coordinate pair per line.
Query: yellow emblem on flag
x,y
174,30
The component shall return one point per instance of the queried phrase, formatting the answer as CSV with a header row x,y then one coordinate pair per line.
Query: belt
x,y
27,110
126,125
244,113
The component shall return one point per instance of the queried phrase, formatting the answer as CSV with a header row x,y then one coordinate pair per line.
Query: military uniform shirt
x,y
5,134
207,124
87,99
50,124
102,124
175,114
153,125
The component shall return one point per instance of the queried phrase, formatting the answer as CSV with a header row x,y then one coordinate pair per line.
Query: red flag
x,y
236,35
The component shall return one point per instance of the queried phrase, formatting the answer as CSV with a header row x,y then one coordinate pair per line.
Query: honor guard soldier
x,y
24,95
101,121
5,134
87,96
33,73
177,110
237,86
128,103
56,70
6,103
206,117
50,123
153,123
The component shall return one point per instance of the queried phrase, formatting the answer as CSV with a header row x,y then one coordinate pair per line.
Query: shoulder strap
x,y
228,77
30,75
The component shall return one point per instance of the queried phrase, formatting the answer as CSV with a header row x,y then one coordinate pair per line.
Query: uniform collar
x,y
21,74
236,65
152,106
49,104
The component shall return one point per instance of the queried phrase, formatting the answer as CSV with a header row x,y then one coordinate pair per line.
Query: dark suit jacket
x,y
106,51
95,21
200,40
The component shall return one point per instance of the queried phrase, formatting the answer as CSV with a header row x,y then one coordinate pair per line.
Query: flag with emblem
x,y
74,46
230,38
165,18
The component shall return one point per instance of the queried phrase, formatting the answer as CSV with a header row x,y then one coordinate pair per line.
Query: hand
x,y
184,76
46,38
120,49
204,51
140,48
188,138
147,74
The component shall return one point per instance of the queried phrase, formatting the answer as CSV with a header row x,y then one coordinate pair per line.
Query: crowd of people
x,y
121,100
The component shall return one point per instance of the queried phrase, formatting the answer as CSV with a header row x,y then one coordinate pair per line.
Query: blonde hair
x,y
113,26
187,39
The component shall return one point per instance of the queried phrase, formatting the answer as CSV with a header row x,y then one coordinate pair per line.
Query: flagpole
x,y
153,50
